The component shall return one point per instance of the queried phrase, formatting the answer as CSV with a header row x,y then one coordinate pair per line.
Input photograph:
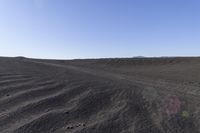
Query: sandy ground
x,y
138,95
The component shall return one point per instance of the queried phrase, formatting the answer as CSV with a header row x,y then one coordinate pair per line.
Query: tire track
x,y
12,81
37,107
31,94
18,87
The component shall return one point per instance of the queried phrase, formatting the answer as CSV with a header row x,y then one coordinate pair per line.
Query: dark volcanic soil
x,y
139,95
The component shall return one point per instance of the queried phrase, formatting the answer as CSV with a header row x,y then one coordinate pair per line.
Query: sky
x,y
68,29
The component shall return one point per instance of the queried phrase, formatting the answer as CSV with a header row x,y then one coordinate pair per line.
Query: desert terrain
x,y
126,95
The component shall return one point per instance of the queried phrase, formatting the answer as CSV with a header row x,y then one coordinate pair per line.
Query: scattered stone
x,y
76,126
70,127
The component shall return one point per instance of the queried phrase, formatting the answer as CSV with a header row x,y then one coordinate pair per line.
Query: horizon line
x,y
96,58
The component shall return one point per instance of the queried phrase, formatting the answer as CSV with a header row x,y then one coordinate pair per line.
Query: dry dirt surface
x,y
135,95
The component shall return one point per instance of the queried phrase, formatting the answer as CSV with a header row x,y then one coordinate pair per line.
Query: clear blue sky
x,y
99,28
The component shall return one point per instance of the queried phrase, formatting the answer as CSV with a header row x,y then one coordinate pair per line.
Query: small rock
x,y
77,125
70,127
67,112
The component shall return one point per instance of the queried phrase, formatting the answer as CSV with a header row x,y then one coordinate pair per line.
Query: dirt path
x,y
174,88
